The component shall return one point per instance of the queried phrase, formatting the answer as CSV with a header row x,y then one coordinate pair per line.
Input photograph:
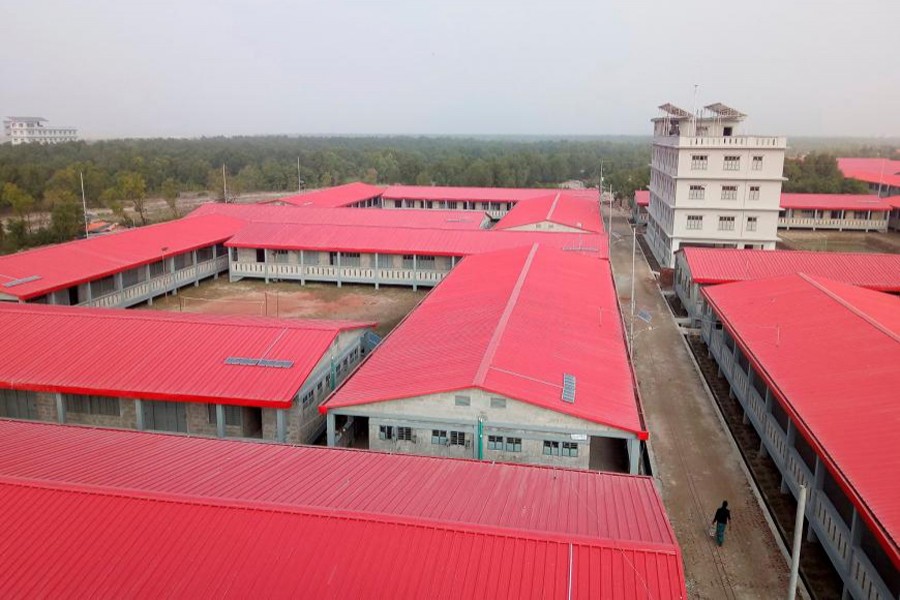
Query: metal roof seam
x,y
856,311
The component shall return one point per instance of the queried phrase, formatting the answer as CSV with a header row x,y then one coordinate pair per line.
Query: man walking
x,y
723,516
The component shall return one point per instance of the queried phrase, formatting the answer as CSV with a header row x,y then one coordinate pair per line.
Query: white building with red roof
x,y
814,365
518,355
841,212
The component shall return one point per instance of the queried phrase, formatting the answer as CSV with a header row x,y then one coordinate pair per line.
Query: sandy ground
x,y
387,306
839,241
697,464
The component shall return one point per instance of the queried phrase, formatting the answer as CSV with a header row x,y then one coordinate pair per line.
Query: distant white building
x,y
35,130
710,185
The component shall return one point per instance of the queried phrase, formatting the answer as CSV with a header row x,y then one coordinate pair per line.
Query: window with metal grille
x,y
495,442
425,263
408,261
404,434
457,438
513,444
463,401
182,261
751,223
385,432
498,402
133,276
732,163
754,192
569,449
205,254
551,448
92,405
350,259
729,192
158,268
18,404
385,261
726,223
695,222
278,256
696,192
232,415
699,162
757,163
101,287
439,436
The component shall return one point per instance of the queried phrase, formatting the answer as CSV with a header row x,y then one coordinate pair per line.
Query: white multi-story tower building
x,y
710,185
35,130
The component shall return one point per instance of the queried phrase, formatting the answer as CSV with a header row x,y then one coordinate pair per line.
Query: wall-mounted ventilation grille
x,y
259,362
568,393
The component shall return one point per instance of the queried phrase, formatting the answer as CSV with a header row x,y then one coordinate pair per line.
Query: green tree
x,y
170,193
111,199
66,215
132,188
22,203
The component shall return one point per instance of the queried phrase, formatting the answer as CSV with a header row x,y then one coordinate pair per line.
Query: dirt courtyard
x,y
839,241
387,306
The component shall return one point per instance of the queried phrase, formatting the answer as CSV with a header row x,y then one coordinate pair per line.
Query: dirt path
x,y
697,465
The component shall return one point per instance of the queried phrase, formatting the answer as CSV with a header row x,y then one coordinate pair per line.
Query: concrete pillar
x,y
220,420
60,408
139,413
171,261
791,435
339,269
87,292
117,280
280,426
196,269
375,271
815,489
452,262
415,271
266,263
331,426
149,284
634,456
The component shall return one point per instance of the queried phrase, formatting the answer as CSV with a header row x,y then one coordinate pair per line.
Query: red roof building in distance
x,y
882,174
842,212
698,267
518,355
642,197
418,219
855,202
362,524
168,371
100,261
814,364
561,211
359,195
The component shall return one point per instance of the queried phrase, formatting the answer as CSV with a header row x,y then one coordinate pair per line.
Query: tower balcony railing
x,y
734,141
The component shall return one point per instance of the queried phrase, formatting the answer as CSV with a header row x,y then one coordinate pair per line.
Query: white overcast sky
x,y
122,68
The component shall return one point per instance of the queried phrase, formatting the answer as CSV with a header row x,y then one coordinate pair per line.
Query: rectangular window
x,y
439,436
729,192
133,276
570,449
513,444
732,163
551,448
498,402
385,432
350,259
100,287
205,254
92,405
182,261
463,401
232,415
457,438
278,256
757,163
726,223
699,162
404,434
754,192
695,222
751,223
425,263
696,192
408,261
18,404
495,442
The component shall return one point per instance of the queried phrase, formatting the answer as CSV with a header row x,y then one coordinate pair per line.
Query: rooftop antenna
x,y
84,204
299,177
224,185
694,110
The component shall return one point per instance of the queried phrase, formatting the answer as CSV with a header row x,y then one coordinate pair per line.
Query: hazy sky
x,y
203,67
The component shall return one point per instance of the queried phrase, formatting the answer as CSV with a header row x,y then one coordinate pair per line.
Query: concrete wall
x,y
546,226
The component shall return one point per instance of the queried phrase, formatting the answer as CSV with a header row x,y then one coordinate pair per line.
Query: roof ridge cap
x,y
856,311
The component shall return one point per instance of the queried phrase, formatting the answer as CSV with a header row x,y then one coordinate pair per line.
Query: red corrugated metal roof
x,y
511,323
157,355
642,197
72,263
834,202
723,265
476,194
399,240
373,217
572,209
334,197
830,352
894,201
871,170
361,524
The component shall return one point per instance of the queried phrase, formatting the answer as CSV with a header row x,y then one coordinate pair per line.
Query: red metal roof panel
x,y
373,217
157,355
879,171
579,210
407,240
64,265
101,506
642,197
834,202
334,197
723,265
490,325
797,330
470,194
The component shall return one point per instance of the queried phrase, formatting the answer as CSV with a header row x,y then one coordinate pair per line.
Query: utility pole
x,y
84,204
224,185
633,252
299,177
798,537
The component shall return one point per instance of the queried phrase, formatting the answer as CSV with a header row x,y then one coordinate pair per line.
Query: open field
x,y
839,241
387,306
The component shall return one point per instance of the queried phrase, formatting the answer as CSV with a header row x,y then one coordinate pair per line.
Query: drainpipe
x,y
479,438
